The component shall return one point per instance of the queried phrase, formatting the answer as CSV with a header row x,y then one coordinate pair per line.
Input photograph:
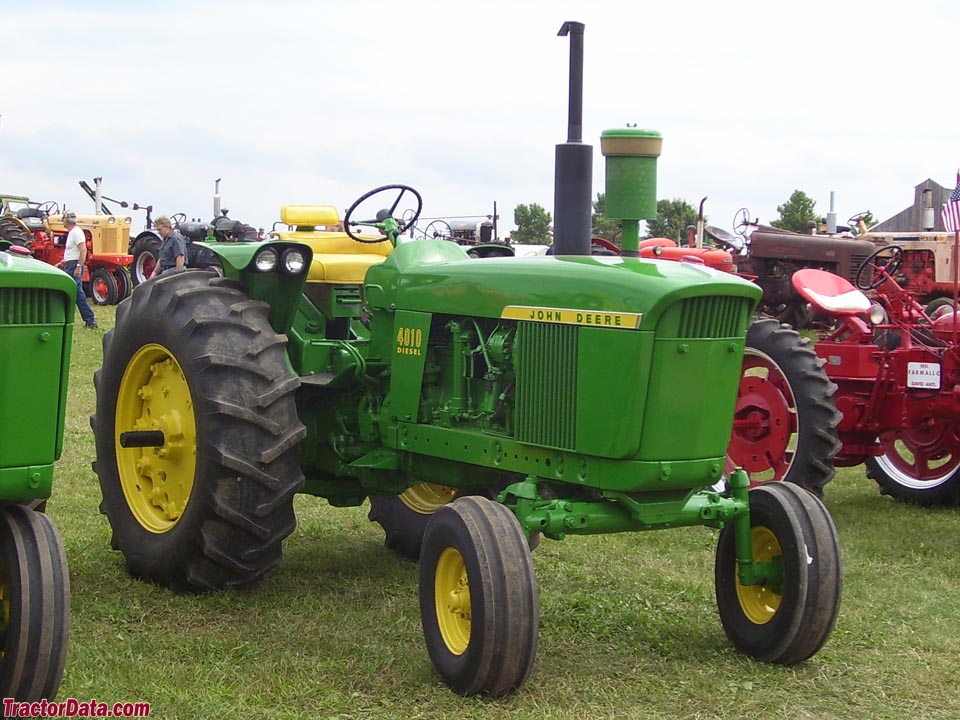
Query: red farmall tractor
x,y
897,372
39,228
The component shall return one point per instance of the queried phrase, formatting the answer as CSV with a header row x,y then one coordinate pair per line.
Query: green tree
x,y
602,226
533,225
673,217
796,212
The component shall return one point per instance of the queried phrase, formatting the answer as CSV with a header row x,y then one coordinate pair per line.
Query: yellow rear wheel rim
x,y
760,602
452,599
427,498
156,481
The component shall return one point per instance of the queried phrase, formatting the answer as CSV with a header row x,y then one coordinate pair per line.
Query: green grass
x,y
628,629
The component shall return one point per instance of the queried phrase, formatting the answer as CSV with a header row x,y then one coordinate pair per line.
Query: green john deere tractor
x,y
472,402
36,331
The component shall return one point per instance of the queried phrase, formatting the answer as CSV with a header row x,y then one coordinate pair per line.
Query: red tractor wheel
x,y
785,426
103,287
145,252
920,465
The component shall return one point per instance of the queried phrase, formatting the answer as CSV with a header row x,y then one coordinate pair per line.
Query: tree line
x,y
673,218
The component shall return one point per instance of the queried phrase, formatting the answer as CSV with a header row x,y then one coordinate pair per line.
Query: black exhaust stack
x,y
573,177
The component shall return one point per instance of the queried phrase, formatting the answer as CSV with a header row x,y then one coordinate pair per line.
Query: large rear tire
x,y
209,505
920,466
785,426
478,597
13,233
35,600
404,517
789,616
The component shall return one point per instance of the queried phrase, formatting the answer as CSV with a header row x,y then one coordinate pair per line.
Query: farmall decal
x,y
923,375
565,316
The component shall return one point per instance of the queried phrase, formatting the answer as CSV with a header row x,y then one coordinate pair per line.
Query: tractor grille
x,y
347,294
113,241
855,262
546,412
30,306
713,317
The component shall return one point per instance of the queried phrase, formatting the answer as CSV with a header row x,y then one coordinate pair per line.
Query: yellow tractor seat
x,y
336,257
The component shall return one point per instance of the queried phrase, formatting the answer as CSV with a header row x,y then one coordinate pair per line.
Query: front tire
x,y
478,597
124,283
103,287
35,600
789,616
207,505
785,425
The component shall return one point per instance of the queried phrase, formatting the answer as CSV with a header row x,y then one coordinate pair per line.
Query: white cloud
x,y
318,102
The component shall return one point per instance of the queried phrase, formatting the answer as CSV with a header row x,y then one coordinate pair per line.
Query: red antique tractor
x,y
896,372
39,228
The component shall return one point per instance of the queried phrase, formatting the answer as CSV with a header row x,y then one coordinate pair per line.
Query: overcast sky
x,y
317,102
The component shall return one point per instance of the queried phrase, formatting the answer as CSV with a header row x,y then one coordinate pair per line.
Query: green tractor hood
x,y
37,304
438,276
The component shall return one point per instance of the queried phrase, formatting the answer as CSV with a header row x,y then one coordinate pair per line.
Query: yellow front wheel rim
x,y
760,602
427,498
156,481
452,598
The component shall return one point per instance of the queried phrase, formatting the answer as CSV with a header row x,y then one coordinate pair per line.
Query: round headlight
x,y
877,315
111,220
266,260
293,261
127,220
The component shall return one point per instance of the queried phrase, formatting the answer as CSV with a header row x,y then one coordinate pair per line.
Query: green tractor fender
x,y
274,272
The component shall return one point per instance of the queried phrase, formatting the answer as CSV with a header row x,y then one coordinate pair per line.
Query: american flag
x,y
951,210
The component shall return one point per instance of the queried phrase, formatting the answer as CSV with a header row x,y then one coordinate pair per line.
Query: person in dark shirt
x,y
173,249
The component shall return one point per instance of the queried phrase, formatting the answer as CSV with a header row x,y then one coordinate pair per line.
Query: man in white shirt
x,y
74,260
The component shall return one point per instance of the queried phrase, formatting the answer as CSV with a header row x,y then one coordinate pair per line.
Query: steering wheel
x,y
50,207
439,229
722,238
741,221
382,215
887,269
178,218
854,219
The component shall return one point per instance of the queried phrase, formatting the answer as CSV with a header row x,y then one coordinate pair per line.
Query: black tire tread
x,y
36,645
818,441
13,233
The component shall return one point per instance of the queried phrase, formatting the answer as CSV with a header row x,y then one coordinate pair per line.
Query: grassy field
x,y
628,629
